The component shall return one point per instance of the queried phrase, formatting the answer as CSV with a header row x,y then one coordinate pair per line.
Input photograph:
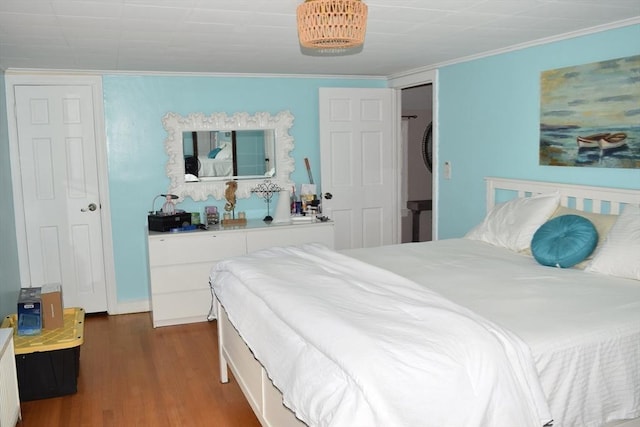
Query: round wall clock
x,y
427,146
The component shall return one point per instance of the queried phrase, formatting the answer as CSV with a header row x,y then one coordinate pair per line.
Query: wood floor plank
x,y
134,375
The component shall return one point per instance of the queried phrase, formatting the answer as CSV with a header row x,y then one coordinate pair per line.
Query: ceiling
x,y
260,36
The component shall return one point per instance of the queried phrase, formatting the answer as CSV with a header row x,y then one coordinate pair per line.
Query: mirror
x,y
221,154
207,151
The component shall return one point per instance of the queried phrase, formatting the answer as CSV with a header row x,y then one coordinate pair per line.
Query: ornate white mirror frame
x,y
176,125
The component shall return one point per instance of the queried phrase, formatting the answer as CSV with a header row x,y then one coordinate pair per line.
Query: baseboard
x,y
129,307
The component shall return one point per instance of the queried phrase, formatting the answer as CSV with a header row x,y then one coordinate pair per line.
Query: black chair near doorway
x,y
416,207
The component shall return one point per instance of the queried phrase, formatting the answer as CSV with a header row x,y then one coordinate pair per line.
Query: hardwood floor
x,y
134,375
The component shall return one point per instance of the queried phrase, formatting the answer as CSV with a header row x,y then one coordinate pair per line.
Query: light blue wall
x,y
9,272
134,107
488,123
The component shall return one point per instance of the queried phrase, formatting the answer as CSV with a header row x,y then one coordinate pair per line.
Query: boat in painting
x,y
591,141
603,141
615,140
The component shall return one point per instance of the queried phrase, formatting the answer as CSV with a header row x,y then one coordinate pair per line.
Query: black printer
x,y
160,222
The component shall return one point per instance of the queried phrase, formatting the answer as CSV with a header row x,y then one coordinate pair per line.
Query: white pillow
x,y
225,154
512,224
602,222
620,253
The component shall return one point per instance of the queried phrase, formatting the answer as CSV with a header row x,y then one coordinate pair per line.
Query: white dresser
x,y
9,397
180,263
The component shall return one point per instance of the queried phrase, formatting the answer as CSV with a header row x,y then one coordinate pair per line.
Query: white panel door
x,y
358,164
58,168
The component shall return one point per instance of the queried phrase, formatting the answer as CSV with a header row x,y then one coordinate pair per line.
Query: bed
x,y
486,337
215,167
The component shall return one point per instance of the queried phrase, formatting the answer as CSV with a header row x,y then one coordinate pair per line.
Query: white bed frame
x,y
266,399
579,195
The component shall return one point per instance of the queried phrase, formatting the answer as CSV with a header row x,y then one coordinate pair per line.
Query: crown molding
x,y
401,78
72,72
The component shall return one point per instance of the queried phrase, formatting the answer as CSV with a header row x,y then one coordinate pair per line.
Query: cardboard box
x,y
52,314
29,312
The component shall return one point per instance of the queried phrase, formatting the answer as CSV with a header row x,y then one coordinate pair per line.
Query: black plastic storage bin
x,y
48,374
48,364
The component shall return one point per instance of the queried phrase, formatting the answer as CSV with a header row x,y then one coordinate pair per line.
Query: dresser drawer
x,y
291,235
181,278
194,248
180,307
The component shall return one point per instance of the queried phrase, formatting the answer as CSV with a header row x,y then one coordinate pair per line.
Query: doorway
x,y
417,179
59,176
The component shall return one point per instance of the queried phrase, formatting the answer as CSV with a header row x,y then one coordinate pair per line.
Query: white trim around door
x,y
418,78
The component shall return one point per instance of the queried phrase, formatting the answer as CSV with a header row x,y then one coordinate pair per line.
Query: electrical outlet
x,y
447,170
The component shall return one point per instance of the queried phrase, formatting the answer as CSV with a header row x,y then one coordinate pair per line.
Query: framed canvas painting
x,y
590,114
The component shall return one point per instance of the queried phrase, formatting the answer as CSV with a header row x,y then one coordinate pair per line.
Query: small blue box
x,y
29,311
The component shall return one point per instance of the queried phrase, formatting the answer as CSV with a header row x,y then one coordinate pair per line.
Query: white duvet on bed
x,y
349,344
583,328
215,167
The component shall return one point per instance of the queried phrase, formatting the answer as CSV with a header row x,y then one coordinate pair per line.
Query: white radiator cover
x,y
9,397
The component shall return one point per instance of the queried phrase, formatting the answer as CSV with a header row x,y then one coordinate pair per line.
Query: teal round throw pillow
x,y
564,241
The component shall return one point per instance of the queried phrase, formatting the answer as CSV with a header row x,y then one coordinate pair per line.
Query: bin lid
x,y
70,335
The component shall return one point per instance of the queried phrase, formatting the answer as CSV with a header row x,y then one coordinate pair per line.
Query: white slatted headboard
x,y
575,196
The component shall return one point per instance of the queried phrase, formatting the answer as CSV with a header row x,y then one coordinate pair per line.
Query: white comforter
x,y
583,329
353,345
215,167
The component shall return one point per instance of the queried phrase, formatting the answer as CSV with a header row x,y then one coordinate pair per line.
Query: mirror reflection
x,y
223,154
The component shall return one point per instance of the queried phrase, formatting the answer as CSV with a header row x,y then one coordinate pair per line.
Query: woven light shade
x,y
324,24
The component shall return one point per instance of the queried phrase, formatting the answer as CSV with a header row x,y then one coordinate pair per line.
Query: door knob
x,y
328,196
92,207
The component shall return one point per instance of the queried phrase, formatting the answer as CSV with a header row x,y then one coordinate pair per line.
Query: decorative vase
x,y
283,210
